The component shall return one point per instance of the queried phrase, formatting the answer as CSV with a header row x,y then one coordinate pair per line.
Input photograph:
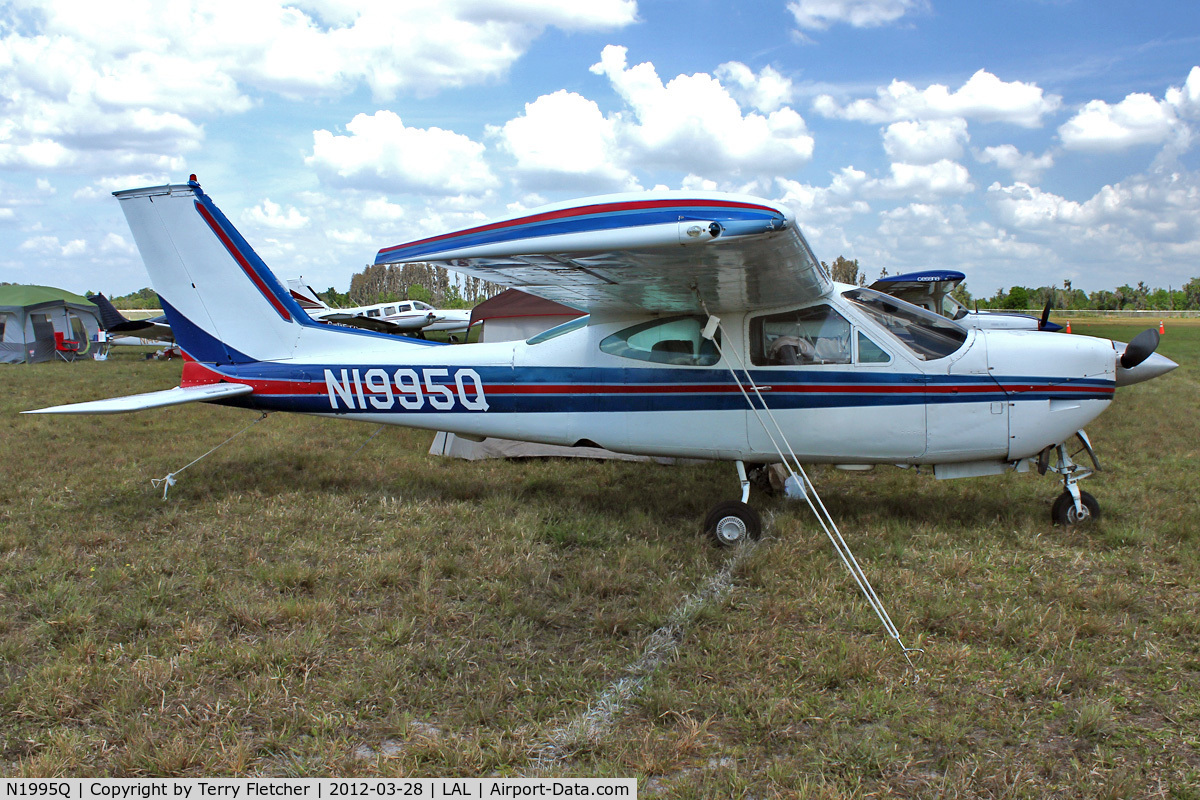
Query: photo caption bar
x,y
313,788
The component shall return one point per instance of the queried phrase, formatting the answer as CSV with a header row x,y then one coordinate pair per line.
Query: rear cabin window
x,y
676,340
387,312
374,312
814,335
558,330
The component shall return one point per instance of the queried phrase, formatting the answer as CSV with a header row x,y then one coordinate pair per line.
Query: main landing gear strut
x,y
733,522
1074,506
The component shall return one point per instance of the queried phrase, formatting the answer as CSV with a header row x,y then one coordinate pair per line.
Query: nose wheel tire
x,y
732,523
1064,512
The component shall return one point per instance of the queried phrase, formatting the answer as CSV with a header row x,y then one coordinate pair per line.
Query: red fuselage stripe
x,y
195,373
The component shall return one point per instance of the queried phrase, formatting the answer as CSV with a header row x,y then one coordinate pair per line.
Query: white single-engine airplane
x,y
400,316
930,289
709,318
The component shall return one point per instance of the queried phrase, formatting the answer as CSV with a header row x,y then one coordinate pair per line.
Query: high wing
x,y
928,281
650,251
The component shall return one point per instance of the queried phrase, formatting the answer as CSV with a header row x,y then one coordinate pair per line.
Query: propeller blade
x,y
1045,317
1141,348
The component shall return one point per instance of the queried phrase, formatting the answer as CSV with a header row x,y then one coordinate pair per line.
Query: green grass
x,y
300,607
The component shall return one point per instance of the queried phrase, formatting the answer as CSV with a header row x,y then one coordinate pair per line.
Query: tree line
x,y
385,283
378,283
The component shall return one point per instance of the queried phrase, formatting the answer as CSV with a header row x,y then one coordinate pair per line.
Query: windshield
x,y
928,335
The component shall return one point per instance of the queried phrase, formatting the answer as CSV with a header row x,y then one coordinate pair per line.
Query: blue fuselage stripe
x,y
380,388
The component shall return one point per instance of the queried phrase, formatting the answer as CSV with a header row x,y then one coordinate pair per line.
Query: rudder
x,y
223,303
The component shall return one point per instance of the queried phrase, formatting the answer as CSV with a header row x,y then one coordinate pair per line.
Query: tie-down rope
x,y
169,480
796,470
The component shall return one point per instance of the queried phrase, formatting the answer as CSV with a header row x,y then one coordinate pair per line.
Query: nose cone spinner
x,y
1152,367
1137,361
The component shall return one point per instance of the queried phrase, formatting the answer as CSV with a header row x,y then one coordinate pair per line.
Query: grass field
x,y
313,601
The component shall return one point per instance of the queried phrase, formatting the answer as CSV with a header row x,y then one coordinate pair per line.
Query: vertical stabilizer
x,y
222,301
306,296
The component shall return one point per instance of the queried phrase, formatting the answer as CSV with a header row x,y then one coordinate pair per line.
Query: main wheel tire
x,y
732,522
1064,512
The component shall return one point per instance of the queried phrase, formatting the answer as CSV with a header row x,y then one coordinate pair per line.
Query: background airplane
x,y
153,331
930,289
401,316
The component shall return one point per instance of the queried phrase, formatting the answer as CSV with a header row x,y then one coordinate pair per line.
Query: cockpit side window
x,y
676,340
814,335
928,335
952,309
871,353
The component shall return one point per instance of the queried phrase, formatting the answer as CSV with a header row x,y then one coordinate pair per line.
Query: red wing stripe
x,y
582,211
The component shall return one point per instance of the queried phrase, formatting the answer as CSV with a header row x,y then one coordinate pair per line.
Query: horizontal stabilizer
x,y
140,402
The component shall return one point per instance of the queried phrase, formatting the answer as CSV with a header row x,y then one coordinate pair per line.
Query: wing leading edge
x,y
654,252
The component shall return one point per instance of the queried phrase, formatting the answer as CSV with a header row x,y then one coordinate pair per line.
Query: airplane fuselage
x,y
999,396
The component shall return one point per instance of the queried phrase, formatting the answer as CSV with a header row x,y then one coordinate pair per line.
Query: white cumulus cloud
x,y
984,97
693,123
1024,167
1138,119
380,152
767,91
924,181
820,14
564,139
925,142
1154,216
273,215
129,84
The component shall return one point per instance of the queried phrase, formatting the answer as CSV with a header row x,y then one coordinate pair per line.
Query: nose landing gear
x,y
1074,506
1065,512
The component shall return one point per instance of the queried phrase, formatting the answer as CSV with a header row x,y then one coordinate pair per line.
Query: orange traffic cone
x,y
1161,329
1068,326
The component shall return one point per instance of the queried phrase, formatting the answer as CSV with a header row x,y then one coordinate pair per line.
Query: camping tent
x,y
30,318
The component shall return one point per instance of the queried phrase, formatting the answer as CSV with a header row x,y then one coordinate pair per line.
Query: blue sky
x,y
1025,142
